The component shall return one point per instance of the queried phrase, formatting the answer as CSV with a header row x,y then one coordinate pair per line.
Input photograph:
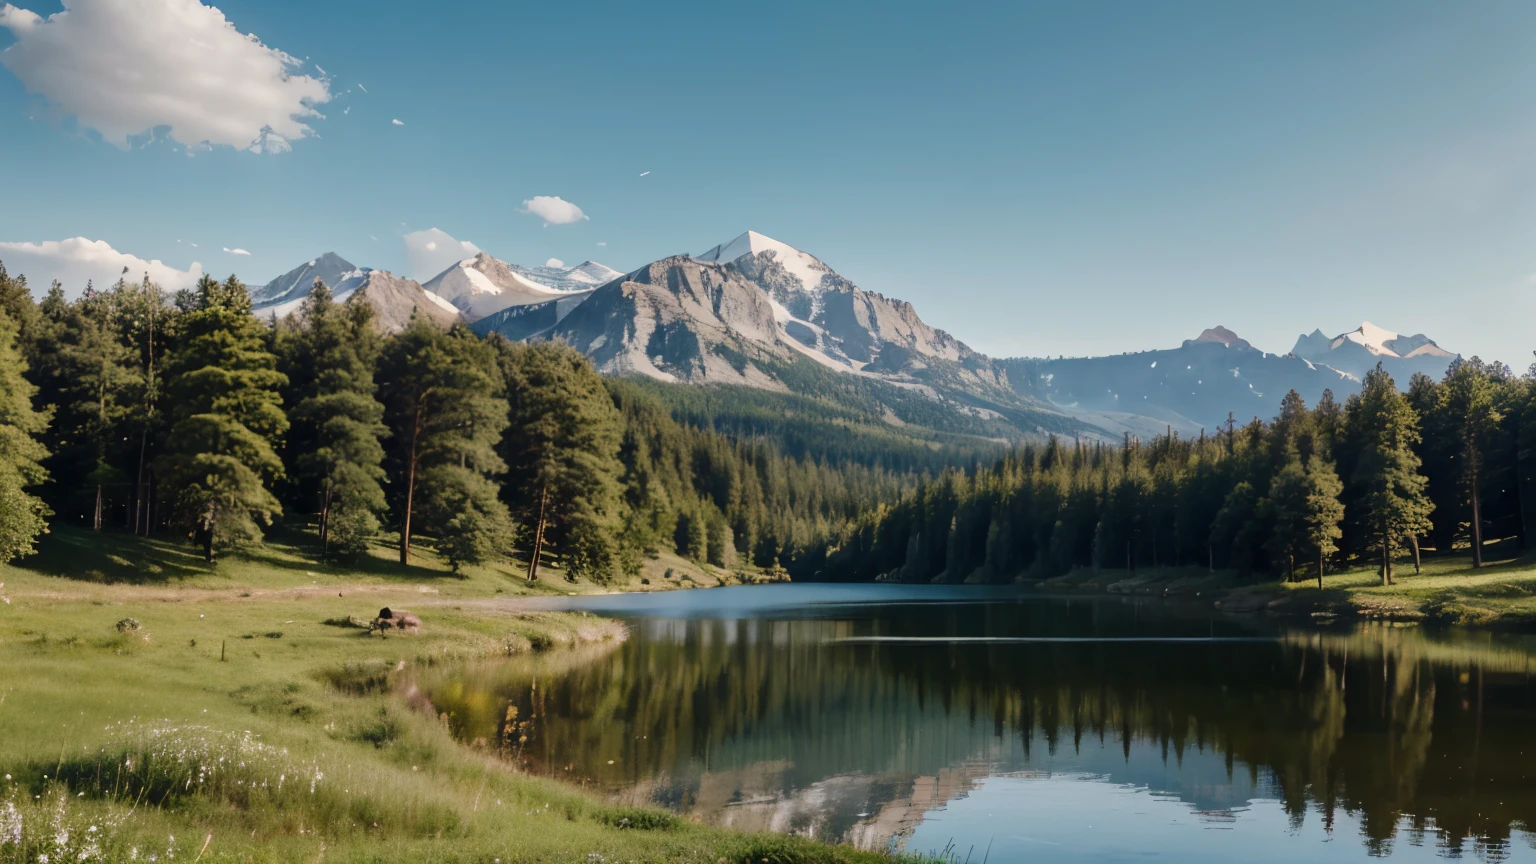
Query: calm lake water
x,y
1042,729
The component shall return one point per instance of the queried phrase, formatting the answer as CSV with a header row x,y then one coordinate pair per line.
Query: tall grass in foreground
x,y
79,808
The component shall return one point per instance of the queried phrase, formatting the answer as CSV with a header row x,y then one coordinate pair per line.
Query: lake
x,y
995,725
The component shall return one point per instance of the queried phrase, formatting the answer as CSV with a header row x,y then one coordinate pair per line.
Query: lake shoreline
x,y
1448,592
268,659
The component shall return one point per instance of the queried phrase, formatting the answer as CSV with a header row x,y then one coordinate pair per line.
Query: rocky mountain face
x,y
834,320
678,319
483,285
393,297
690,319
330,268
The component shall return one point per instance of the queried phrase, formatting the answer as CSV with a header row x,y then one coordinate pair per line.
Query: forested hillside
x,y
1448,464
129,410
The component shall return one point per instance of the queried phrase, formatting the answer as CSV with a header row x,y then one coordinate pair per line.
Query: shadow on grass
x,y
113,557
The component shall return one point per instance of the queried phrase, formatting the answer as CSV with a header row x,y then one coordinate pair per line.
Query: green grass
x,y
326,753
1448,590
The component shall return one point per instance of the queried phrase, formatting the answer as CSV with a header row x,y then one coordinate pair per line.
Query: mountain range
x,y
760,313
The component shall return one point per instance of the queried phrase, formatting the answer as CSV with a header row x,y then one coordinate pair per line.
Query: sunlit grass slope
x,y
145,697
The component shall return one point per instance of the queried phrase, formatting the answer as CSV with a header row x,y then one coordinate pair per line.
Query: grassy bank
x,y
1447,590
238,710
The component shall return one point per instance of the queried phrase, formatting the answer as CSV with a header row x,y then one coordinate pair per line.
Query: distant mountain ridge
x,y
1359,350
393,298
758,312
1197,385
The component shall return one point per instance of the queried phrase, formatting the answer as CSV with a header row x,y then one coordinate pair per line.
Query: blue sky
x,y
1037,178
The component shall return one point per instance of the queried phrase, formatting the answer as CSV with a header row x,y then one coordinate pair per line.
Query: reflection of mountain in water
x,y
761,724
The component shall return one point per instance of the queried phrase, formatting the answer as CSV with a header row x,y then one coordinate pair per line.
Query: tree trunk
x,y
1319,569
1414,540
325,521
410,492
538,535
96,523
1477,520
207,539
139,488
1290,560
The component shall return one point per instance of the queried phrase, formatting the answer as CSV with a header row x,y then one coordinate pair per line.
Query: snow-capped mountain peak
x,y
329,268
805,267
1377,340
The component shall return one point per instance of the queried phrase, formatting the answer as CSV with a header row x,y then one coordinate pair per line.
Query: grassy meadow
x,y
1448,590
152,708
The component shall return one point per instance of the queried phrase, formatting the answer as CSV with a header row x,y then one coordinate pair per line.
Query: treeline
x,y
1445,465
127,409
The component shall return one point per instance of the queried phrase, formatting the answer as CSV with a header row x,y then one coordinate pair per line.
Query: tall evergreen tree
x,y
1469,395
1325,512
223,386
149,326
444,405
22,516
562,449
1394,507
1288,511
95,381
330,356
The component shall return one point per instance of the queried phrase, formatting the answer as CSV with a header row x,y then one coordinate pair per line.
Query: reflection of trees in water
x,y
1384,724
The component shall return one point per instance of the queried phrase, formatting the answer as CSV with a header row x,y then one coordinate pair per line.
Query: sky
x,y
1038,178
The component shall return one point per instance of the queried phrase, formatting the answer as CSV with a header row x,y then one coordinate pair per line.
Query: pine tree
x,y
1469,400
1393,504
445,410
95,380
22,516
1289,511
338,419
148,325
563,451
1325,512
223,386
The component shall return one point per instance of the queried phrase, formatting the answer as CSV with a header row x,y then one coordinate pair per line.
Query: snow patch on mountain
x,y
1375,339
802,265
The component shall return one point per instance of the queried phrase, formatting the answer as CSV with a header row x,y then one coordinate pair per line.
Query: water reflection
x,y
788,720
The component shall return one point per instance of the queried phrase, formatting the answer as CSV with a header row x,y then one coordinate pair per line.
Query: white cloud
x,y
553,209
236,251
554,262
432,251
602,242
173,68
77,260
362,88
398,122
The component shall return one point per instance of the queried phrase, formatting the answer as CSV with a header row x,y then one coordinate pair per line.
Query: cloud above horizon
x,y
554,262
554,210
432,251
173,68
236,251
78,260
